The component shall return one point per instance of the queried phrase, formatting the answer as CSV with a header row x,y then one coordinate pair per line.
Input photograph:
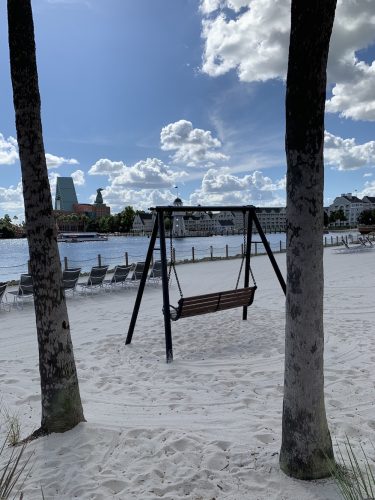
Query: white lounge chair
x,y
155,273
120,277
137,272
95,279
3,299
70,279
25,290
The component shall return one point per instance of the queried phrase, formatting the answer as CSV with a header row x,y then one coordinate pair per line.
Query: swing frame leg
x,y
165,284
142,282
248,254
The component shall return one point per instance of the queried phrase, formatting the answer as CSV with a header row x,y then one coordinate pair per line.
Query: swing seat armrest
x,y
174,312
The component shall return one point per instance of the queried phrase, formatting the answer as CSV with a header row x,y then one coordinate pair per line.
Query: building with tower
x,y
178,222
66,196
66,203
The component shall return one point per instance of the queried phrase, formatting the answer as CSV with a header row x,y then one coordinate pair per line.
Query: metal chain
x,y
244,253
172,264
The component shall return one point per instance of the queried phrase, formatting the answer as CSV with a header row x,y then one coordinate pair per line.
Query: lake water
x,y
14,253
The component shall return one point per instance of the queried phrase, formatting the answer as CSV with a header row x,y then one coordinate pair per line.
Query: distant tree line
x,y
117,223
7,227
367,217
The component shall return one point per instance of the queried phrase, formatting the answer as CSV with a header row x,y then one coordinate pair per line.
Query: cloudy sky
x,y
141,96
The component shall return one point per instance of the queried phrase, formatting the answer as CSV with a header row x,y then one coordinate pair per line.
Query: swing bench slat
x,y
212,302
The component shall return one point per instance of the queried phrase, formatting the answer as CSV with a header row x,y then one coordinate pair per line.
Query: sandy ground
x,y
208,425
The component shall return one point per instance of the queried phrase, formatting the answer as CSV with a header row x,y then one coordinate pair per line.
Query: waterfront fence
x,y
194,254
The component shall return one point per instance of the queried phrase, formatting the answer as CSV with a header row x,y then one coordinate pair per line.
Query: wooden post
x,y
331,240
174,254
226,251
211,252
325,241
65,262
126,258
193,254
281,246
99,260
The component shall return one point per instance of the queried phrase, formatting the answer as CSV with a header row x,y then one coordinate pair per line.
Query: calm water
x,y
14,253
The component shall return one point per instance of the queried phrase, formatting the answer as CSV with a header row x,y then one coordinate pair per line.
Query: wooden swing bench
x,y
212,302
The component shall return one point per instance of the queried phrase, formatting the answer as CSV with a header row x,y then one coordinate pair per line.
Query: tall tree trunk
x,y
61,401
306,441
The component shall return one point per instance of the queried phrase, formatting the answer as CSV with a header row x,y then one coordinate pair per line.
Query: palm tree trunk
x,y
306,443
61,402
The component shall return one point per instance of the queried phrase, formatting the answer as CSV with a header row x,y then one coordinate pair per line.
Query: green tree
x,y
7,220
126,218
306,448
6,229
61,401
367,217
338,215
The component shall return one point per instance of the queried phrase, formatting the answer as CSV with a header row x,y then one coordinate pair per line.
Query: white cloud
x,y
368,190
9,154
345,154
255,43
56,161
11,199
78,177
192,146
151,173
141,199
106,167
8,150
209,6
367,175
52,177
221,187
355,98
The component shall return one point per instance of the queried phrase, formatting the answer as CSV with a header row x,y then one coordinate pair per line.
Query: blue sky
x,y
140,96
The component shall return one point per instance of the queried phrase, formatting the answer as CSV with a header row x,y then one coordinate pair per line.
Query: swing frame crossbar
x,y
158,227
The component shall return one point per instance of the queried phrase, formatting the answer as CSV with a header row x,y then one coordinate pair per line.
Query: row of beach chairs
x,y
122,276
364,245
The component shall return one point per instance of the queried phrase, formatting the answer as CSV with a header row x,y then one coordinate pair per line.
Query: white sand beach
x,y
208,425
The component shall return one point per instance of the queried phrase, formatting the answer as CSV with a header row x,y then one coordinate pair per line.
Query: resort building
x,y
66,195
178,220
66,204
143,223
371,201
272,219
201,223
351,207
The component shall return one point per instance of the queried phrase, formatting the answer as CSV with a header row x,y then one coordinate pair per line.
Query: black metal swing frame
x,y
245,294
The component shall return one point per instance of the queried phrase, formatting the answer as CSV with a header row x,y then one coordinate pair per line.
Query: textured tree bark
x,y
61,401
306,442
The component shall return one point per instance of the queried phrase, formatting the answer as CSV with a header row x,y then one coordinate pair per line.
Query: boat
x,y
80,237
366,229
